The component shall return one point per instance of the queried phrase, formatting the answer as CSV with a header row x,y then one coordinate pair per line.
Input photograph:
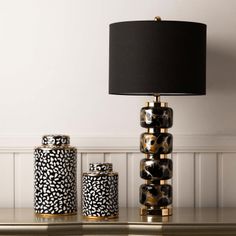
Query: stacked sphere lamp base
x,y
156,169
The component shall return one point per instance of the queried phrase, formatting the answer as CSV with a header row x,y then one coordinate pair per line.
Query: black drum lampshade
x,y
157,58
164,57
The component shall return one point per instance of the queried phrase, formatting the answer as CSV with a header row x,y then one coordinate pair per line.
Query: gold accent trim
x,y
100,173
157,98
156,104
163,211
161,182
151,130
152,104
100,217
65,147
54,135
167,211
156,156
164,156
164,104
54,215
164,130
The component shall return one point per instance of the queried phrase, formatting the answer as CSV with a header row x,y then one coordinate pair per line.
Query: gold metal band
x,y
156,104
153,130
155,156
161,182
163,156
54,215
48,147
162,130
164,104
100,217
163,211
55,135
100,174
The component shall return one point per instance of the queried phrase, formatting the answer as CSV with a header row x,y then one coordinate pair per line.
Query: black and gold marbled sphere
x,y
152,195
158,117
156,143
156,169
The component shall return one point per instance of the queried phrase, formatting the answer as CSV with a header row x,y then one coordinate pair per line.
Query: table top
x,y
185,221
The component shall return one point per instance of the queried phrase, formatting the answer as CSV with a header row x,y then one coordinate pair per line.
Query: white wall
x,y
54,79
54,67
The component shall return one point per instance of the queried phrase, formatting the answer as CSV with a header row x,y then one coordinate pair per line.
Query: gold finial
x,y
157,18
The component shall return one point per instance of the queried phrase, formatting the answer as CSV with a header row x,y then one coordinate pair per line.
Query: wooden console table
x,y
185,221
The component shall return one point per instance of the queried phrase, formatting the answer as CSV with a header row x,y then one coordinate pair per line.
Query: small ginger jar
x,y
100,192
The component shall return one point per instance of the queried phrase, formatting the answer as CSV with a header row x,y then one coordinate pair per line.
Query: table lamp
x,y
157,58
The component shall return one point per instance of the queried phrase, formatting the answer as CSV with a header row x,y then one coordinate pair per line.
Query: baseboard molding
x,y
182,143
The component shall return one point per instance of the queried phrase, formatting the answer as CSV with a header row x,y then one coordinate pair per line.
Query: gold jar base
x,y
165,211
54,215
100,217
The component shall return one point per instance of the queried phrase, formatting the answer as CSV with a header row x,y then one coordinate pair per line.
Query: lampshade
x,y
157,57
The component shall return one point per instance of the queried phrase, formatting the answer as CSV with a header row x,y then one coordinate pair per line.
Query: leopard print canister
x,y
55,177
100,192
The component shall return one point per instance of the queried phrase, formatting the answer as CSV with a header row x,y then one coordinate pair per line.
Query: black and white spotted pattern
x,y
55,180
100,167
100,195
56,140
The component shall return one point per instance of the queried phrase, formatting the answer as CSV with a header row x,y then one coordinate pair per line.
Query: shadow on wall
x,y
221,70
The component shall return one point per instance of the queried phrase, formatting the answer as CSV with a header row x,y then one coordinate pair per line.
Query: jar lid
x,y
55,140
100,167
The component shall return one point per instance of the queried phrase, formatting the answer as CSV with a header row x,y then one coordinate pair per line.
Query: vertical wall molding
x,y
127,187
219,180
134,181
203,176
206,179
7,180
14,180
185,184
24,179
197,180
119,161
227,180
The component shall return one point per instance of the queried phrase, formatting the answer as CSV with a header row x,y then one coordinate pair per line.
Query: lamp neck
x,y
157,102
157,98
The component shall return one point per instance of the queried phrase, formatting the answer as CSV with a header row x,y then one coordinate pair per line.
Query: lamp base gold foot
x,y
165,211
